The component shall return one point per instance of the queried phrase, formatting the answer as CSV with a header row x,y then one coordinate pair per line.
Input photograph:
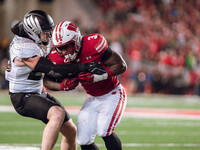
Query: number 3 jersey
x,y
21,77
92,49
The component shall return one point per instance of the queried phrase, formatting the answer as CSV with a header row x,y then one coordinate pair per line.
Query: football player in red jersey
x,y
106,98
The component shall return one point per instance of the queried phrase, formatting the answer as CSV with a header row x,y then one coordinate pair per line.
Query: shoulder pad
x,y
25,48
97,41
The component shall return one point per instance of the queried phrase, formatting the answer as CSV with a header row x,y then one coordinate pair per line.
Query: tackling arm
x,y
41,64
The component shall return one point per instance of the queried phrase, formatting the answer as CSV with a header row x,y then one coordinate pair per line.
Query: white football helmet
x,y
67,39
36,22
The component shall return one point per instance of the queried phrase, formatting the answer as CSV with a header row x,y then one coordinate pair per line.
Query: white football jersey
x,y
23,78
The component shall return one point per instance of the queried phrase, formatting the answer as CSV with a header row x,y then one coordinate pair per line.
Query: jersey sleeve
x,y
101,44
27,51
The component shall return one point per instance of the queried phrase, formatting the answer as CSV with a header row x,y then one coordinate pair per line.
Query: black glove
x,y
96,68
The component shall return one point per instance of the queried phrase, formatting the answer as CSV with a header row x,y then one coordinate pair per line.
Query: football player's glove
x,y
96,68
69,84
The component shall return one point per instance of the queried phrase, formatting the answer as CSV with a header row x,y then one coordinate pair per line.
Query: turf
x,y
135,133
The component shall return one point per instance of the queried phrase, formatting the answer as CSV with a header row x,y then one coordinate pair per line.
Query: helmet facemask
x,y
45,37
69,50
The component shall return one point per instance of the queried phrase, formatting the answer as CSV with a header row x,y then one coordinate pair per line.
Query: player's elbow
x,y
123,67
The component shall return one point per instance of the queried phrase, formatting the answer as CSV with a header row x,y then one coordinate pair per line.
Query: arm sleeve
x,y
57,71
106,55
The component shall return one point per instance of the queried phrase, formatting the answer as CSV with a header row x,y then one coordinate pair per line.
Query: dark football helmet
x,y
36,22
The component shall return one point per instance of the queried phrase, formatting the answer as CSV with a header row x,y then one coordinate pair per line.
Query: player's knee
x,y
101,132
60,113
56,113
84,140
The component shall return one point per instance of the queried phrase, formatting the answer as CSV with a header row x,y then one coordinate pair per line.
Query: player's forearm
x,y
67,70
31,62
52,85
116,64
118,69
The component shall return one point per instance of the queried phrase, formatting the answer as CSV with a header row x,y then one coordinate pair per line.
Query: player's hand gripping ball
x,y
91,78
69,84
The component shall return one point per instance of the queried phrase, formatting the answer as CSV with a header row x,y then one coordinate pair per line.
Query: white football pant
x,y
100,115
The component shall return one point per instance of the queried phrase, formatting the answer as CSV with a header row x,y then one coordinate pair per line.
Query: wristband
x,y
61,86
98,78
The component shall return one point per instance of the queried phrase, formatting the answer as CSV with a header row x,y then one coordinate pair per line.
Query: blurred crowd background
x,y
159,39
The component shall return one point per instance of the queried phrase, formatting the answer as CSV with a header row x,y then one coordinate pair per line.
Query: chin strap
x,y
69,57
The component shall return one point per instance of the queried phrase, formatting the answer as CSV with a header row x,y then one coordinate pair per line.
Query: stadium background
x,y
159,39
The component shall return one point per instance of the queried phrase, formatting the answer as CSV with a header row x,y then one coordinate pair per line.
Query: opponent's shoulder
x,y
24,43
95,41
24,47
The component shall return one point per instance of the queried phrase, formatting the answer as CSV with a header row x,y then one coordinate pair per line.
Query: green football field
x,y
136,132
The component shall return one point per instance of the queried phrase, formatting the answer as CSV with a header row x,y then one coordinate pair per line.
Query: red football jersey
x,y
93,46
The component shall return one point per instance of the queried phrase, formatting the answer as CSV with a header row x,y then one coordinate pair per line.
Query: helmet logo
x,y
36,22
32,24
72,27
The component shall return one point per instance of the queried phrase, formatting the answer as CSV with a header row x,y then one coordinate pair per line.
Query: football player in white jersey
x,y
28,64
